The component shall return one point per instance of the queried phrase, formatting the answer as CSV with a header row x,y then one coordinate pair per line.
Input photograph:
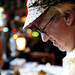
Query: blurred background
x,y
14,43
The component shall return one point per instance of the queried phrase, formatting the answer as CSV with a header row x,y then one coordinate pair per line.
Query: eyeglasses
x,y
43,30
51,20
45,26
35,28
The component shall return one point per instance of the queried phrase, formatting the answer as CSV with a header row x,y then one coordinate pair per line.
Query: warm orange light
x,y
29,33
15,36
23,19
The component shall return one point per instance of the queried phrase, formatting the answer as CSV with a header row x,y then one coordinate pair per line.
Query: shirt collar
x,y
71,53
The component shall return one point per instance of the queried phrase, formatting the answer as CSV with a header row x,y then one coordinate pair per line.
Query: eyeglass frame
x,y
42,30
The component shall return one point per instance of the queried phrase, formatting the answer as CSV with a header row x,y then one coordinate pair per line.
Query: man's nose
x,y
44,37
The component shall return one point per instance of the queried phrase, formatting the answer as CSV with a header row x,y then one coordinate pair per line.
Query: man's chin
x,y
62,49
59,47
67,49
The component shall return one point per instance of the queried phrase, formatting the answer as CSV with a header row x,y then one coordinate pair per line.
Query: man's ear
x,y
69,17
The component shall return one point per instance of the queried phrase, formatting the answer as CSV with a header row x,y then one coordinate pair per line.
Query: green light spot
x,y
35,34
5,29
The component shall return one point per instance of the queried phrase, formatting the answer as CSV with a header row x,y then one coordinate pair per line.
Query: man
x,y
55,19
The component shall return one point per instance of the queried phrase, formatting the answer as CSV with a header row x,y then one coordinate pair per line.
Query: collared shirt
x,y
69,63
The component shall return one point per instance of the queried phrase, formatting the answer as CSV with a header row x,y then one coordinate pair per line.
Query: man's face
x,y
59,33
54,28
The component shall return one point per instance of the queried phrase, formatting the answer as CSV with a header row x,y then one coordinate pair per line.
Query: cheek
x,y
62,38
60,33
57,27
57,31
